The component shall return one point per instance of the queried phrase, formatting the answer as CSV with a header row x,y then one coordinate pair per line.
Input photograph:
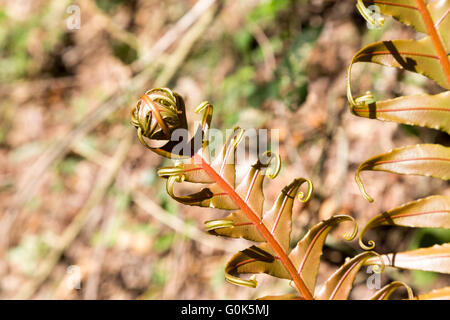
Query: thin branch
x,y
270,62
111,27
173,63
72,231
179,225
105,179
33,176
174,33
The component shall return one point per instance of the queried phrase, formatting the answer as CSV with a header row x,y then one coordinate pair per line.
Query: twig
x,y
179,225
172,64
89,153
270,63
166,218
113,29
174,33
98,256
102,186
33,176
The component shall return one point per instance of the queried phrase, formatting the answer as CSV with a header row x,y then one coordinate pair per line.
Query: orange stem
x,y
442,54
300,284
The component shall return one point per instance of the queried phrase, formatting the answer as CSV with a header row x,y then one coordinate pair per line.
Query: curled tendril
x,y
408,289
361,101
174,179
171,182
351,235
207,109
272,173
301,196
170,171
371,243
202,106
251,283
369,16
365,99
237,137
378,268
360,183
192,199
218,224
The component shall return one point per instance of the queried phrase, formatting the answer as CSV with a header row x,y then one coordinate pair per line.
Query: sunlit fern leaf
x,y
385,292
435,258
427,56
422,159
415,56
308,250
340,283
431,111
430,212
305,256
408,12
237,224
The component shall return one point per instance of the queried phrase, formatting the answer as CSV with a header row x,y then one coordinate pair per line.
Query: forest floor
x,y
79,194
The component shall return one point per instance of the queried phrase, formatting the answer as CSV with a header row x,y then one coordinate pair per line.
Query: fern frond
x,y
245,199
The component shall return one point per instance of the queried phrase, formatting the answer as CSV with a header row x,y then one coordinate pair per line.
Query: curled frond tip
x,y
351,235
361,185
373,18
301,195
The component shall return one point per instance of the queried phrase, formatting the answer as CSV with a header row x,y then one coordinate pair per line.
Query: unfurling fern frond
x,y
245,199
